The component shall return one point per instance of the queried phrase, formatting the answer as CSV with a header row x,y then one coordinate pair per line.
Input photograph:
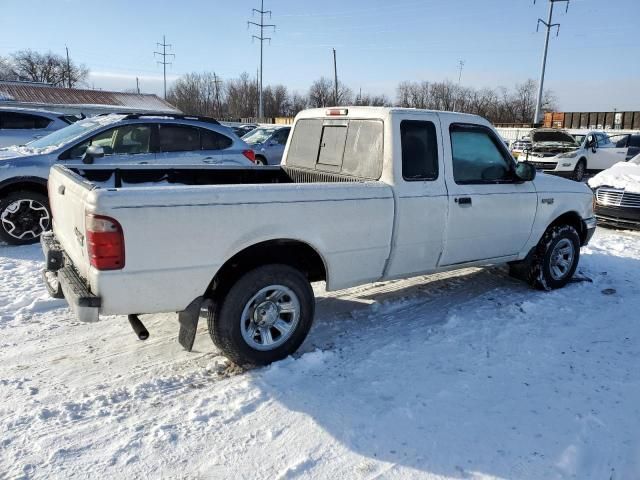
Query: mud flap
x,y
188,320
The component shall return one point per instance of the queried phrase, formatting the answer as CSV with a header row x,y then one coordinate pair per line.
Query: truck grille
x,y
617,198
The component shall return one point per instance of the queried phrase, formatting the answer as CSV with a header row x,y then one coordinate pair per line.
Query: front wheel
x,y
556,258
579,171
264,317
24,216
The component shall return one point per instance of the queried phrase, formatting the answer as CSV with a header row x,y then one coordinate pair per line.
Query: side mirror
x,y
91,153
525,171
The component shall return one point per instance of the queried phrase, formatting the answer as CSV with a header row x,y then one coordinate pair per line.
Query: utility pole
x,y
68,67
261,38
335,75
216,83
137,85
164,62
460,67
549,25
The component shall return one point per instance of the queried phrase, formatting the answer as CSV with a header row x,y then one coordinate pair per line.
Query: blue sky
x,y
593,65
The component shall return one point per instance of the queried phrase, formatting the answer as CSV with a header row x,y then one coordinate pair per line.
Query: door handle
x,y
463,201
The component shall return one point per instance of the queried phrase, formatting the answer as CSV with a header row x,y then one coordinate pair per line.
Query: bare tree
x,y
242,97
29,65
6,72
297,104
366,99
500,105
197,94
276,101
321,93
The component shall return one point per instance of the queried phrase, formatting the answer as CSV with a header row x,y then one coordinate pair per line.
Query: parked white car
x,y
560,153
364,194
22,125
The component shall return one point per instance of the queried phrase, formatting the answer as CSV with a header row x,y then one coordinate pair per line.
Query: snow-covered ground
x,y
460,375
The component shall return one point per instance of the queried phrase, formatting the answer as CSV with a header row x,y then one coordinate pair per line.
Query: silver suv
x,y
115,139
22,125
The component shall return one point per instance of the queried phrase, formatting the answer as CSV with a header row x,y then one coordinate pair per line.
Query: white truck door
x,y
490,211
421,194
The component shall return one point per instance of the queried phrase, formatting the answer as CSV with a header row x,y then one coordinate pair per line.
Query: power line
x,y
549,25
261,38
164,62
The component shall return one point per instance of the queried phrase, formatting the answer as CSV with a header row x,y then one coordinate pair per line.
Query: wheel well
x,y
294,253
27,185
258,155
573,219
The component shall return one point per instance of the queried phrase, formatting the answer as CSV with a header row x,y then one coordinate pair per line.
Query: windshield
x,y
551,136
65,135
259,135
579,139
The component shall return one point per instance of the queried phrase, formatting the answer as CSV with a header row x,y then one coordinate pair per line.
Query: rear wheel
x,y
264,317
580,170
24,216
260,160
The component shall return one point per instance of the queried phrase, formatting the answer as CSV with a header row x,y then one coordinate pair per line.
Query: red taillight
x,y
105,242
250,154
332,112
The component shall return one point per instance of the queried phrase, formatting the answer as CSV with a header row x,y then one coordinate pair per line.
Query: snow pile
x,y
458,375
623,175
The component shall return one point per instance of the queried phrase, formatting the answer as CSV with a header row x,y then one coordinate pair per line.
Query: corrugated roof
x,y
46,94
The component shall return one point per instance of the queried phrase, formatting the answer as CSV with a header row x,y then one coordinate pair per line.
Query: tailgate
x,y
68,194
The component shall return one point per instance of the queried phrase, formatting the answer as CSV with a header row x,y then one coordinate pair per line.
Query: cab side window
x,y
478,156
419,150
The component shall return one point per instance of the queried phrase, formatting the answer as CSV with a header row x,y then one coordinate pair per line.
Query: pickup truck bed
x,y
156,208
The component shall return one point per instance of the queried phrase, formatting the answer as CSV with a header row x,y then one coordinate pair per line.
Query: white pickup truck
x,y
364,194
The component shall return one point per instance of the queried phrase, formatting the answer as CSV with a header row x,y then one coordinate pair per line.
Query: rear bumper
x,y
62,279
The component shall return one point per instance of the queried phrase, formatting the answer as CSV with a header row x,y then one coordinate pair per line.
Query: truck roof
x,y
381,112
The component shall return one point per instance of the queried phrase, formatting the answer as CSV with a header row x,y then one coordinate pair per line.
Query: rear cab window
x,y
351,147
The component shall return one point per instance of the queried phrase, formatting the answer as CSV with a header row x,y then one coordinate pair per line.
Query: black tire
x,y
260,160
225,318
580,170
540,273
17,228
